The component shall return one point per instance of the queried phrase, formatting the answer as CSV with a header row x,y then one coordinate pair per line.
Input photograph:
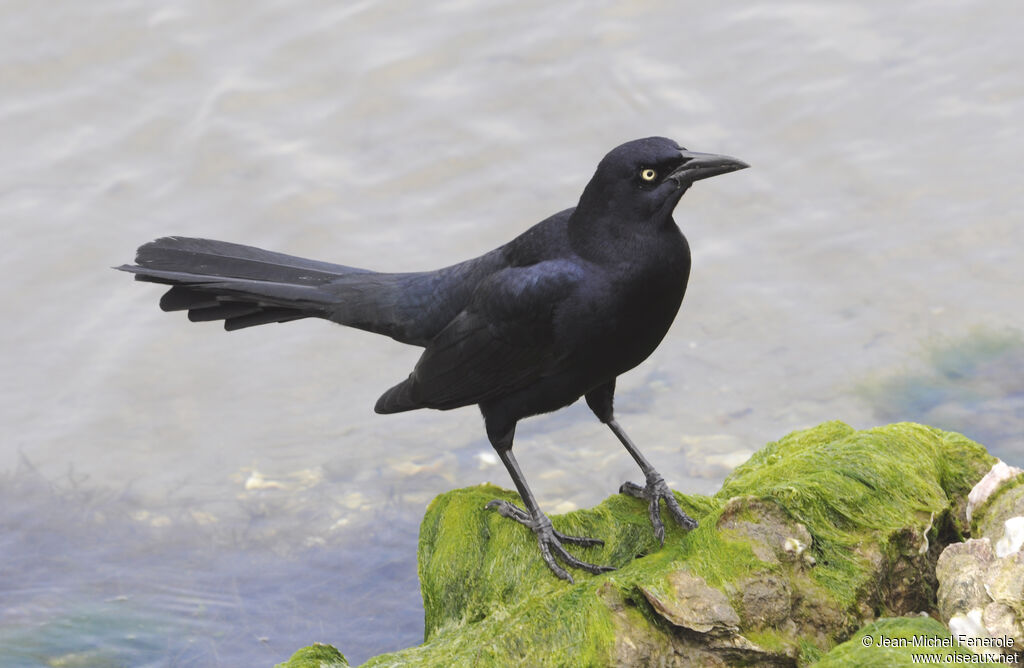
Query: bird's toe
x,y
655,491
585,541
511,511
550,541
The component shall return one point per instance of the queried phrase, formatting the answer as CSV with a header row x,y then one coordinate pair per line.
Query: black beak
x,y
699,166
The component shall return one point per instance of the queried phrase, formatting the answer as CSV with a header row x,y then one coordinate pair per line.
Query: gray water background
x,y
171,494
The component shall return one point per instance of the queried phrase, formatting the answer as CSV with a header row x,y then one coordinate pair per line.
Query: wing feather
x,y
504,340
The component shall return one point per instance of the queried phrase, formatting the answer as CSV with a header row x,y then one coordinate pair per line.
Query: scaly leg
x,y
548,539
654,491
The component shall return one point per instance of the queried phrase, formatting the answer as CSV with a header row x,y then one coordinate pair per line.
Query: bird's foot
x,y
550,540
655,491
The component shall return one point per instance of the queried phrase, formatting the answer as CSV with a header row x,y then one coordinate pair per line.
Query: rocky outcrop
x,y
819,533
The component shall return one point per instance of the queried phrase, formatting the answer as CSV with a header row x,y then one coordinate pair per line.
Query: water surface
x,y
174,495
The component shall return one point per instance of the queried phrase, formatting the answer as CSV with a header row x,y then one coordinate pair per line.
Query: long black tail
x,y
241,285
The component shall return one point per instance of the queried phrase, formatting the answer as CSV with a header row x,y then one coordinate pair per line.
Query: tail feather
x,y
246,286
241,285
221,258
262,317
223,311
182,298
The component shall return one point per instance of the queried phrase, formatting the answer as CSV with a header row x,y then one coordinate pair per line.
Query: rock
x,y
1013,537
961,572
766,600
692,604
772,534
815,535
638,643
981,581
1001,516
997,475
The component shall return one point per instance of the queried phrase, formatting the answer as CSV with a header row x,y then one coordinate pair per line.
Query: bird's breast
x,y
629,312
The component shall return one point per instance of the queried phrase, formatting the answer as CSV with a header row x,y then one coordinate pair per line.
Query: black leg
x,y
548,539
655,490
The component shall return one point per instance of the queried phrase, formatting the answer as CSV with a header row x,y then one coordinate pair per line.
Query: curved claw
x,y
656,490
550,540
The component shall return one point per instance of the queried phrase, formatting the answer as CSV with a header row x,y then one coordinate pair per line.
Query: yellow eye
x,y
648,174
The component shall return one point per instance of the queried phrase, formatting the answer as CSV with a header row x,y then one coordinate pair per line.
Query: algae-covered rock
x,y
317,655
900,641
820,532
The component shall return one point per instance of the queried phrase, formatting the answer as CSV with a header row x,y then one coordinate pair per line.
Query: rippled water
x,y
174,495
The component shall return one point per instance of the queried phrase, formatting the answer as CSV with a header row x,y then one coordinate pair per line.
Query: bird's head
x,y
643,179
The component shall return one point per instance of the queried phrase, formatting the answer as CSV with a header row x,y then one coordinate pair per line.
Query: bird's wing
x,y
503,341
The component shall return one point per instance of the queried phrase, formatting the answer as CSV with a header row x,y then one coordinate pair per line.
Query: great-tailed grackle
x,y
554,315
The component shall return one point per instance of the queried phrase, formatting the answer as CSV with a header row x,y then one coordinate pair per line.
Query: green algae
x,y
890,643
317,655
569,627
820,531
496,560
846,485
506,593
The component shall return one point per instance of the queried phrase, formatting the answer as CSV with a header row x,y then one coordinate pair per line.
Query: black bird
x,y
553,315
